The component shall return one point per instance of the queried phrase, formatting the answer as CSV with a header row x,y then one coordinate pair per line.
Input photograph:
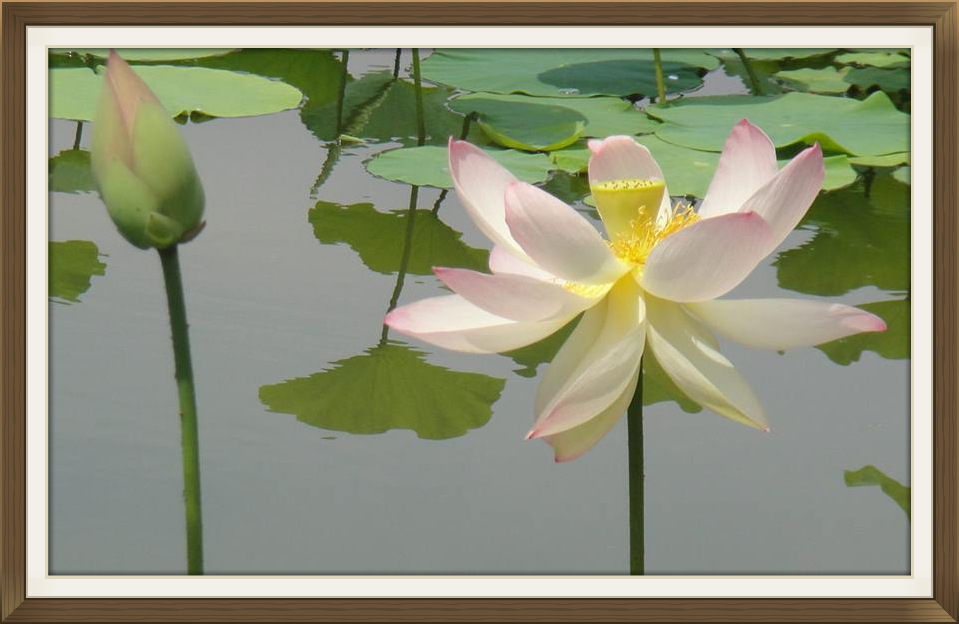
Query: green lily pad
x,y
903,174
316,73
429,165
568,72
389,387
777,54
380,237
75,92
888,160
689,172
146,55
72,264
70,172
859,241
889,60
825,80
863,128
602,116
892,344
524,124
833,81
870,475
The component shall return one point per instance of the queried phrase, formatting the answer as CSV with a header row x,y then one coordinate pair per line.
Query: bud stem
x,y
189,439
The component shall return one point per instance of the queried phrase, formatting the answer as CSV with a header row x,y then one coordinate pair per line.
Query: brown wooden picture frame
x,y
942,17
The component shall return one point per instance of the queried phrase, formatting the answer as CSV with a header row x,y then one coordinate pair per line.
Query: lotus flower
x,y
654,282
141,164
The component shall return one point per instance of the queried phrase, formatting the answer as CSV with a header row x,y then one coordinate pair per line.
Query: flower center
x,y
621,202
634,245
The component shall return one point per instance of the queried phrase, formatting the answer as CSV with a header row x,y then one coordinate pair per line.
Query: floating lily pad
x,y
870,475
569,72
316,73
689,172
891,80
70,172
888,160
525,123
380,237
536,117
892,344
146,54
389,387
72,264
859,241
889,60
869,127
778,54
824,80
75,92
429,165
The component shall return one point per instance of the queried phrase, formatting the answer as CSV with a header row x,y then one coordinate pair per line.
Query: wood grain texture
x,y
16,16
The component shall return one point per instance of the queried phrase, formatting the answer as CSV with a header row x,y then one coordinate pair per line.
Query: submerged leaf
x,y
380,237
70,172
71,266
389,387
870,475
859,241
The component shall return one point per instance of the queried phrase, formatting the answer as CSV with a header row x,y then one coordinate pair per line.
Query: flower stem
x,y
189,440
753,78
404,259
345,60
418,84
634,424
660,85
78,136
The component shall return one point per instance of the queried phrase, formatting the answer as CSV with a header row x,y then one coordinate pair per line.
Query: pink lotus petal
x,y
502,261
454,323
708,258
688,355
557,238
784,200
573,443
480,184
747,163
784,323
515,297
595,365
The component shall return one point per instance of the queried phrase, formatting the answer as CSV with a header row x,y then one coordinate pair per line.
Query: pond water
x,y
291,277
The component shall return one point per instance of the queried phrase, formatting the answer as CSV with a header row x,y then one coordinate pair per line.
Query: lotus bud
x,y
141,163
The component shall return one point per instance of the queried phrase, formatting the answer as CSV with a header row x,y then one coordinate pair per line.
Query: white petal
x,y
573,443
480,183
686,352
596,364
708,258
784,200
501,260
557,238
453,323
747,163
515,297
784,323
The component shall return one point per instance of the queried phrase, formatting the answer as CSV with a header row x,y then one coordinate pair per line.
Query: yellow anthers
x,y
635,245
625,185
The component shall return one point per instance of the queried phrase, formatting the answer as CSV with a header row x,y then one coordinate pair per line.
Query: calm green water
x,y
291,277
